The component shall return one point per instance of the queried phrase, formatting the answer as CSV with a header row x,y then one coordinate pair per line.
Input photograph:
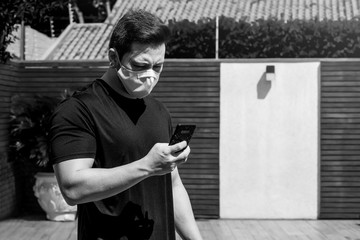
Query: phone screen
x,y
182,133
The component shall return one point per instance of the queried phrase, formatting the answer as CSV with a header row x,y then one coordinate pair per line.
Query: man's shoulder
x,y
90,91
82,99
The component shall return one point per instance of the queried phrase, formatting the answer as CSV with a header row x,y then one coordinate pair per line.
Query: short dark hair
x,y
138,26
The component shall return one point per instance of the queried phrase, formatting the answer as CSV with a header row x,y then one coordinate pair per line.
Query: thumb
x,y
178,147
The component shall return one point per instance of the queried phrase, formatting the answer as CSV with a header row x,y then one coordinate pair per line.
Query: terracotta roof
x,y
36,44
89,41
82,41
241,9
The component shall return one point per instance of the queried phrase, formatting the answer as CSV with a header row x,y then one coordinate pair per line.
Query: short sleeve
x,y
71,132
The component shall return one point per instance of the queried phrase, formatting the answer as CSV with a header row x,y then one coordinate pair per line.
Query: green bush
x,y
29,128
270,38
192,40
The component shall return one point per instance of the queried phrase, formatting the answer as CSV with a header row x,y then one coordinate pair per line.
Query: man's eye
x,y
138,67
157,68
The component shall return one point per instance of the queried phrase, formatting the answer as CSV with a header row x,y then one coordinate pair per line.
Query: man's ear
x,y
113,58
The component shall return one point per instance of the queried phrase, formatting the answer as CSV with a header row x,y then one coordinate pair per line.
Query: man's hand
x,y
163,159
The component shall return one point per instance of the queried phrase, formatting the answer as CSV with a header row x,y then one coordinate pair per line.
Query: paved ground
x,y
36,228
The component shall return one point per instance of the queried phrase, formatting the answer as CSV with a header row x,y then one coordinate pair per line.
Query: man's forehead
x,y
147,52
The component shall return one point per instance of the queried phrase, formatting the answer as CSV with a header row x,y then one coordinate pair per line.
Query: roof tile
x,y
36,44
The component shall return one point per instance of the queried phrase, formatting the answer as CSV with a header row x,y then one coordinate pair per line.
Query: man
x,y
110,144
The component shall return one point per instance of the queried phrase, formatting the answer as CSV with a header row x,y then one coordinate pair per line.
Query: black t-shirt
x,y
101,124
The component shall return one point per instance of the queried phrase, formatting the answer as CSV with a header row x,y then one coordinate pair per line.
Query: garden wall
x,y
196,100
269,140
340,139
189,89
8,179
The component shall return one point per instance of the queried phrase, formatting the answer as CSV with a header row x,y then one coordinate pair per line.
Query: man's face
x,y
144,57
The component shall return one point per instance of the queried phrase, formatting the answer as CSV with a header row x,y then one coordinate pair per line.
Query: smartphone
x,y
182,133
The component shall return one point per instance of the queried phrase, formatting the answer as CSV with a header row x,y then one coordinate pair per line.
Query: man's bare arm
x,y
81,183
184,217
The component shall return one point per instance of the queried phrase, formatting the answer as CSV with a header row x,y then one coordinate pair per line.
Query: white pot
x,y
48,193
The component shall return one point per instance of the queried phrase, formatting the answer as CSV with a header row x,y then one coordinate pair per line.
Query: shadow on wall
x,y
263,87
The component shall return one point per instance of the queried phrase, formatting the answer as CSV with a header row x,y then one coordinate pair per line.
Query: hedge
x,y
270,38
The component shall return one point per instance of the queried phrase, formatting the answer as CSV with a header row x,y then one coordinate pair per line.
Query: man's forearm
x,y
184,217
80,183
93,184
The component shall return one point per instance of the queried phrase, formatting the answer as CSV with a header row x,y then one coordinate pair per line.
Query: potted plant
x,y
29,146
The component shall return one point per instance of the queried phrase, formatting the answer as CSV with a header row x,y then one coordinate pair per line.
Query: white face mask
x,y
138,84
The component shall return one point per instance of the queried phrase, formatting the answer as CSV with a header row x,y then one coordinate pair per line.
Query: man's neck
x,y
112,79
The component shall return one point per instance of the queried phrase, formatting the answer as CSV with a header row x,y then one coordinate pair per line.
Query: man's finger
x,y
182,157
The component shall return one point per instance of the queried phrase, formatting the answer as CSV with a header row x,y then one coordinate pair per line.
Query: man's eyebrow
x,y
133,61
